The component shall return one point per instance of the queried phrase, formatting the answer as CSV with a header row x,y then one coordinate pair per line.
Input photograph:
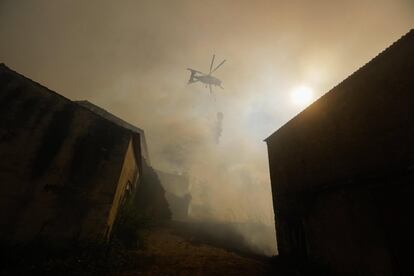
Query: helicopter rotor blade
x,y
218,66
212,62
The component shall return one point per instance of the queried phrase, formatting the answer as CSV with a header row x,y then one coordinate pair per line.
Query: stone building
x,y
342,172
64,168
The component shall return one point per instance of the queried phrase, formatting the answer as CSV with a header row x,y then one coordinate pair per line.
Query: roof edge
x,y
380,54
33,81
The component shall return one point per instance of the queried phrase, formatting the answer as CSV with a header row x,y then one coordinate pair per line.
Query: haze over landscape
x,y
130,57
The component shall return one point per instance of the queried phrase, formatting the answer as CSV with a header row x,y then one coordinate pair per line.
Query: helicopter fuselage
x,y
203,78
208,79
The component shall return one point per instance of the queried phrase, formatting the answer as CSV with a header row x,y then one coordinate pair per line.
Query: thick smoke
x,y
130,58
218,128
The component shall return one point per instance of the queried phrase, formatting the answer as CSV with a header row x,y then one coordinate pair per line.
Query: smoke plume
x,y
130,57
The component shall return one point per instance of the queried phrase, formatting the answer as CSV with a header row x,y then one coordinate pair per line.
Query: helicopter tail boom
x,y
192,76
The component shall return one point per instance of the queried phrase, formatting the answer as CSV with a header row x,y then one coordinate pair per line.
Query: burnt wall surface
x,y
342,171
59,164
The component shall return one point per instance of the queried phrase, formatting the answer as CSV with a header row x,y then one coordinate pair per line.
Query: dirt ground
x,y
168,250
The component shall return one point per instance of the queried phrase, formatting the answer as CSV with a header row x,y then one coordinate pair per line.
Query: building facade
x,y
64,169
342,172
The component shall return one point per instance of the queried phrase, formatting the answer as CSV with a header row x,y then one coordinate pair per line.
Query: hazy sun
x,y
302,96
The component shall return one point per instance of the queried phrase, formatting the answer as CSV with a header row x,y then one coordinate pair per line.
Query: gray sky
x,y
129,57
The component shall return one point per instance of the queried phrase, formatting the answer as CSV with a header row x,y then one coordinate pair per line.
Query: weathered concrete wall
x,y
341,170
59,164
361,230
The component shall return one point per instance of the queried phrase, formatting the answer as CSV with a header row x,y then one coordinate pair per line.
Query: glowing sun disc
x,y
302,96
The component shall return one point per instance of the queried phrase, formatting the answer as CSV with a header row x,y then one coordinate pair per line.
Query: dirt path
x,y
167,252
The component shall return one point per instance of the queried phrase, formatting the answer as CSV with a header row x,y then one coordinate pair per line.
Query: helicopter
x,y
207,79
